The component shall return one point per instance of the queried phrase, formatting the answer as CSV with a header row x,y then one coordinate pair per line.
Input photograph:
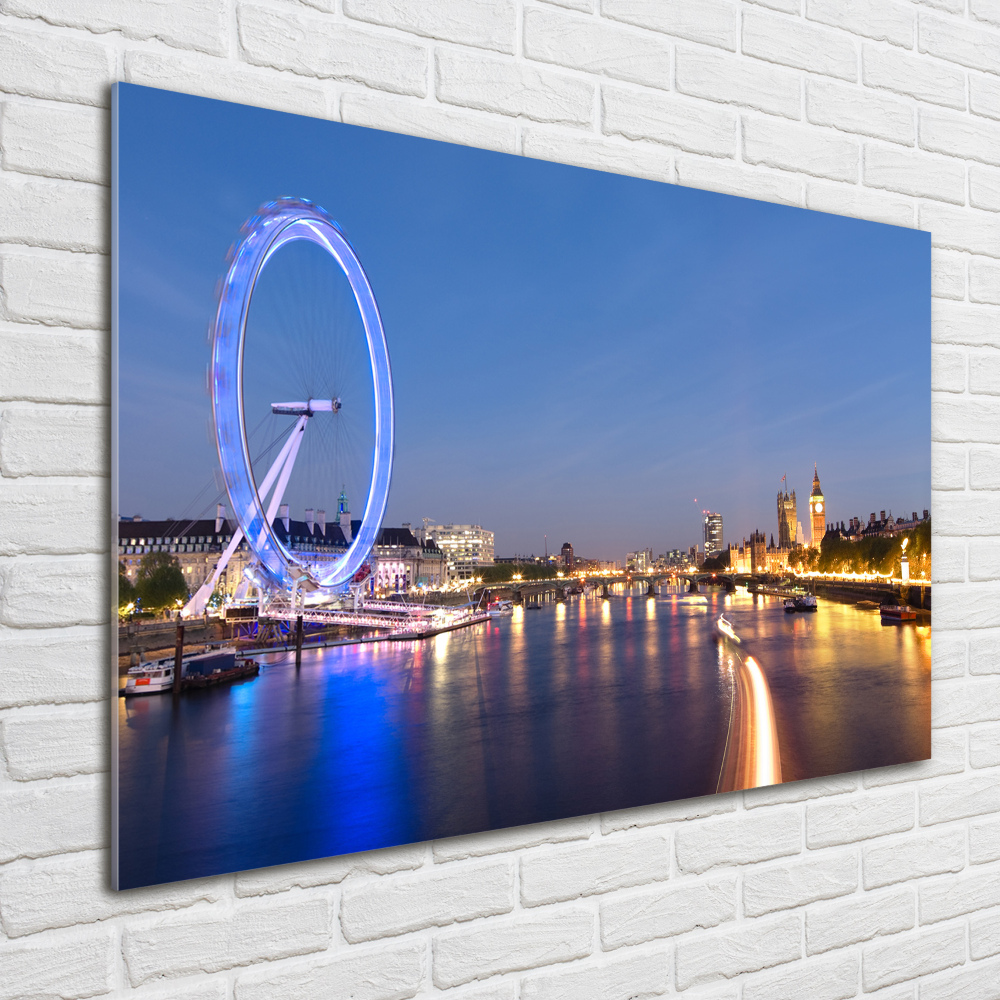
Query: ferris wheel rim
x,y
273,226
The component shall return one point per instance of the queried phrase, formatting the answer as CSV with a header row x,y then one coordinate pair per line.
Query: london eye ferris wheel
x,y
348,394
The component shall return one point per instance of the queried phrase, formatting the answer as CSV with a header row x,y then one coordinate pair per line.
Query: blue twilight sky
x,y
575,354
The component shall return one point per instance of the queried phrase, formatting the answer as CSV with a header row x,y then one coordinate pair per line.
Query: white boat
x,y
500,609
157,676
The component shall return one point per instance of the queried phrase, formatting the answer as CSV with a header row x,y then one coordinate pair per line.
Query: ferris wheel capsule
x,y
272,227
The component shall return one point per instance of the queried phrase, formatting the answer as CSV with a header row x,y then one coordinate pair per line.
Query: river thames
x,y
574,708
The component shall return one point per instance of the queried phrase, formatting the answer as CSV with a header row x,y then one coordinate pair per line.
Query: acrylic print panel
x,y
589,491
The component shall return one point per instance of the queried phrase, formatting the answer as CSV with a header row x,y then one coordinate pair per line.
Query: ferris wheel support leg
x,y
282,464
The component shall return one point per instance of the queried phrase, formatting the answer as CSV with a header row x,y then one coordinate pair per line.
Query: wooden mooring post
x,y
178,659
298,642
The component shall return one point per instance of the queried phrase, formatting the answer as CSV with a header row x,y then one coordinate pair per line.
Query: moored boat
x,y
500,609
800,602
200,670
892,613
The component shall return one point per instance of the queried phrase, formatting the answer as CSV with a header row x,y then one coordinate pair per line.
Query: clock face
x,y
819,508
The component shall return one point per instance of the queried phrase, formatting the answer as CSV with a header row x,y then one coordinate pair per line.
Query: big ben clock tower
x,y
817,511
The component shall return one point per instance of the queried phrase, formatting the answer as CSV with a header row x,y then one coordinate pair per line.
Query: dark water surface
x,y
571,709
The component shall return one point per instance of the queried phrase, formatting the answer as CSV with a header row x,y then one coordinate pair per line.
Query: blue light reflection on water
x,y
566,710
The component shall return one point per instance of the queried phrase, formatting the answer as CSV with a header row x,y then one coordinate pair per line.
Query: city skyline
x,y
579,354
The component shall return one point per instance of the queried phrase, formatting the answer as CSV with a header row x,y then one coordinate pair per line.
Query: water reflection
x,y
574,708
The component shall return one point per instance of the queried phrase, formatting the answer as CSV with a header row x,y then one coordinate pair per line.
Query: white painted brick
x,y
955,323
984,747
976,982
984,652
955,895
913,76
713,22
859,203
684,123
860,817
881,20
51,366
959,703
189,24
252,932
984,561
947,419
512,88
781,887
949,367
800,791
977,611
511,945
984,95
984,468
985,10
54,140
949,560
73,889
56,817
947,277
74,69
948,464
959,799
43,592
907,957
709,174
959,135
799,148
984,936
319,47
948,757
960,42
584,5
913,173
984,280
392,973
821,979
952,6
637,976
756,945
498,989
55,288
374,109
487,26
984,841
739,839
511,839
552,874
596,47
799,44
49,667
976,506
329,871
859,918
408,903
732,80
902,859
80,964
984,187
669,812
46,440
55,744
984,369
667,911
961,229
582,149
52,518
788,6
857,109
207,76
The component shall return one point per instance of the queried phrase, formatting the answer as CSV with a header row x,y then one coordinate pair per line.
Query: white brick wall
x,y
887,881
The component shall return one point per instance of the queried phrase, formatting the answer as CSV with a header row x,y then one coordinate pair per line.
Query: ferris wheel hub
x,y
307,408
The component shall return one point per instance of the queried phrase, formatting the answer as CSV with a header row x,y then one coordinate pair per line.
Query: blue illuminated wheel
x,y
277,224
